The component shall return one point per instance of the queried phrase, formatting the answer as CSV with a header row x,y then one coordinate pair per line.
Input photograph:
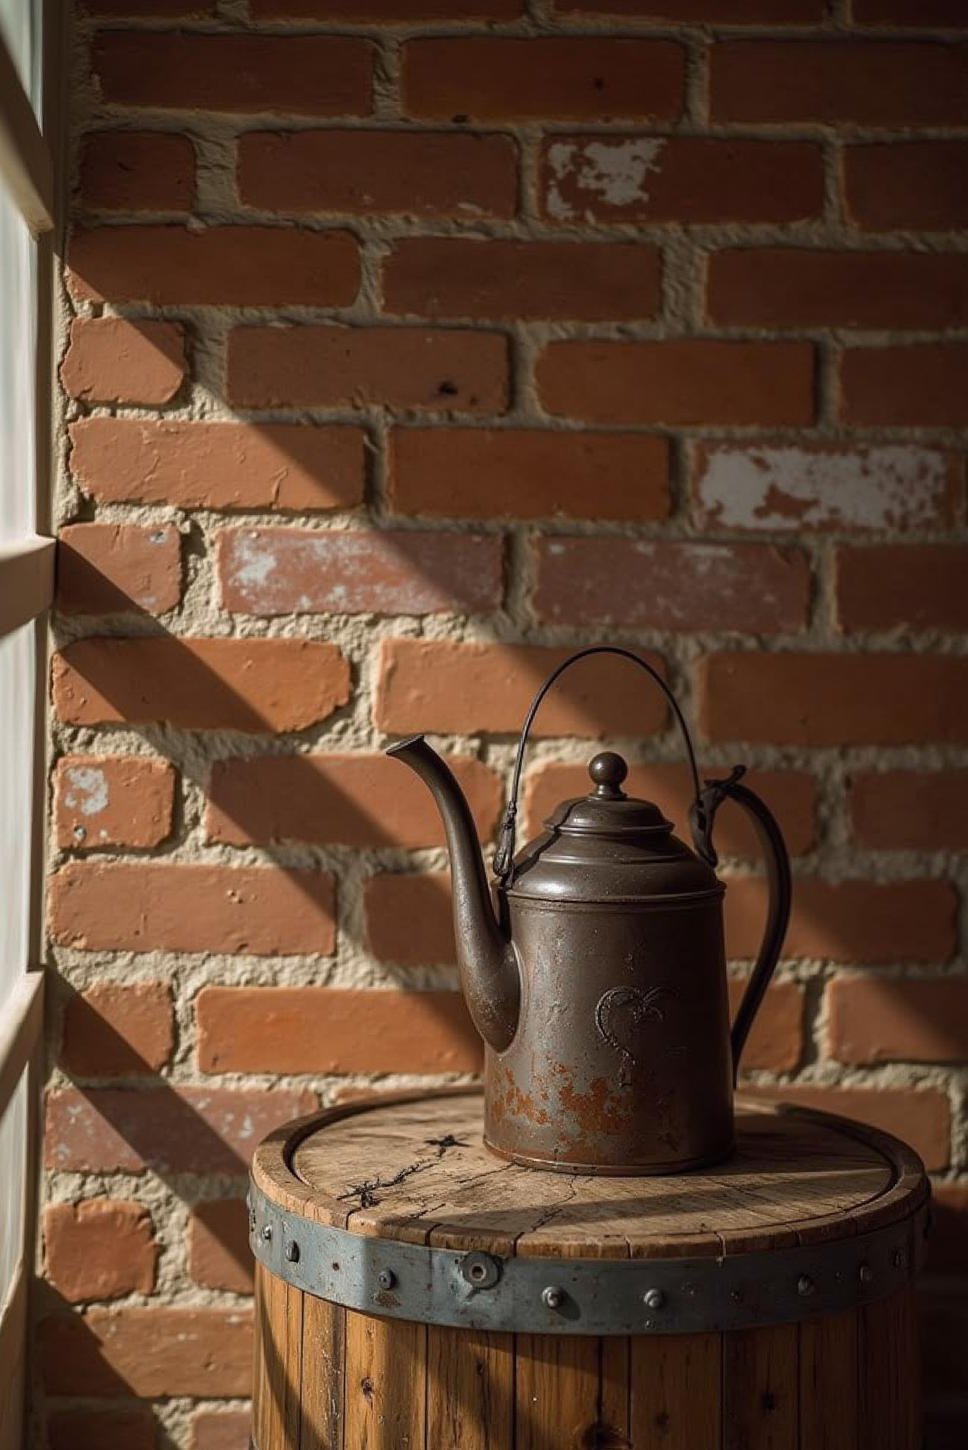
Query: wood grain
x,y
761,1388
385,1384
676,1392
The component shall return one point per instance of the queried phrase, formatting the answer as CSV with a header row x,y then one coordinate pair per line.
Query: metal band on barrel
x,y
545,1295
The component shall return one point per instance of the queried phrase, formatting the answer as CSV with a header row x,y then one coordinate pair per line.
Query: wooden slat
x,y
470,1389
385,1384
322,1381
279,1363
761,1385
676,1392
828,1382
888,1375
556,1382
21,1021
26,581
25,163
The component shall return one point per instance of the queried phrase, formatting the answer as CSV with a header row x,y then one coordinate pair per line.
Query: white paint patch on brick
x,y
613,171
87,790
888,487
253,561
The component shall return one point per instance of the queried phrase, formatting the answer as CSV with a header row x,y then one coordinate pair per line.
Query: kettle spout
x,y
488,967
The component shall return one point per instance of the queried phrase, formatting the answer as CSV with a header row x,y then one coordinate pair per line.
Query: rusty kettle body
x,y
596,974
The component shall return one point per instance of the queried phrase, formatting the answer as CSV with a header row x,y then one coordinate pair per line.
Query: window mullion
x,y
25,161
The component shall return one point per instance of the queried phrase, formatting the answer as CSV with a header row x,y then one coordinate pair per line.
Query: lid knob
x,y
608,770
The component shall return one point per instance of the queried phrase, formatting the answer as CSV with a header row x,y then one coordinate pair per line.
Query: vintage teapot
x,y
599,986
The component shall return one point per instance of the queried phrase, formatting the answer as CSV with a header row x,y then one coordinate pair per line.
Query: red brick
x,y
909,12
183,9
729,12
415,173
118,1031
948,1239
398,367
118,569
100,1248
122,360
835,699
924,385
574,78
440,686
794,287
219,1256
633,178
873,83
790,794
347,800
168,1130
866,922
132,1429
150,1353
903,586
448,277
152,907
910,810
229,1430
775,1043
528,473
241,266
303,571
389,11
681,381
910,184
133,171
317,1029
883,1020
112,800
309,75
820,487
751,588
200,684
921,1118
305,467
409,919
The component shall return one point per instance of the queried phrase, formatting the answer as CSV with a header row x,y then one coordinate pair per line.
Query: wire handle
x,y
504,855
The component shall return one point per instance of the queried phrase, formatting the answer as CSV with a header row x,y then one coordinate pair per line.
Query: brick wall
x,y
406,347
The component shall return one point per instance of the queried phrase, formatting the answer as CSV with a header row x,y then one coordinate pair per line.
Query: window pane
x,y
16,769
18,341
13,1146
21,28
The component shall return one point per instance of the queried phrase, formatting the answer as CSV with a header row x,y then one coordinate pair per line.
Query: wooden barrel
x,y
415,1291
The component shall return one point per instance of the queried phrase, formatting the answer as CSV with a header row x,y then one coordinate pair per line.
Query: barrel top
x,y
415,1169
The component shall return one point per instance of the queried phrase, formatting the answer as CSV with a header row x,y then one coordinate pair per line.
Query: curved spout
x,y
488,967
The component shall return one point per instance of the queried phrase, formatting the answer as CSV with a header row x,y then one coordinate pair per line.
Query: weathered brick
x,y
919,1117
925,385
217,266
528,473
873,1020
112,800
573,78
182,9
409,919
149,1353
349,800
682,381
873,83
115,1030
437,685
316,1029
118,569
200,684
866,922
790,794
910,810
834,699
228,1430
100,1248
122,360
775,1043
727,12
794,287
633,178
909,12
309,75
903,586
414,173
750,588
218,465
219,1256
907,184
451,277
133,171
153,907
171,1129
398,367
303,571
809,486
947,1246
391,12
132,1429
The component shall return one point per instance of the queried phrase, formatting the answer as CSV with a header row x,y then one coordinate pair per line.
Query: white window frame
x,y
29,154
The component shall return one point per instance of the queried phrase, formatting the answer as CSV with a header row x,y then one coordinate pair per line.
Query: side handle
x,y
774,850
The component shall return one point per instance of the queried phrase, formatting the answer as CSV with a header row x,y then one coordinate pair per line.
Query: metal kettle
x,y
599,982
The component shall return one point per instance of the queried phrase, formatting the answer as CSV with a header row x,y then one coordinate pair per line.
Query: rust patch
x,y
597,1111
